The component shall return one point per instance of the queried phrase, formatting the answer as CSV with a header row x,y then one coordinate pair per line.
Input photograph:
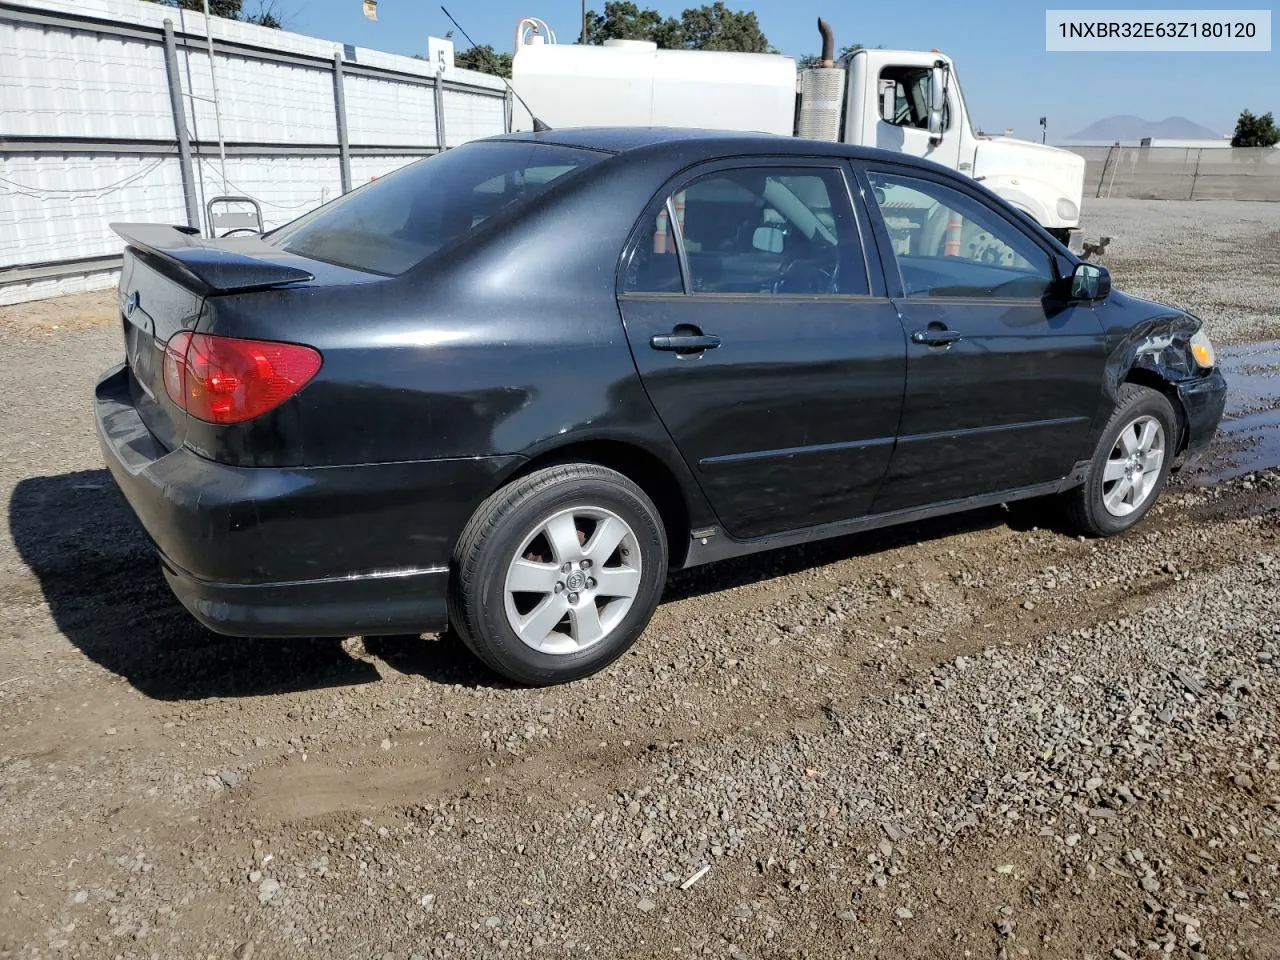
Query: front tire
x,y
557,574
1130,465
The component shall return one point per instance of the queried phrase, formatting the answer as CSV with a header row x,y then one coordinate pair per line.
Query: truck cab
x,y
889,102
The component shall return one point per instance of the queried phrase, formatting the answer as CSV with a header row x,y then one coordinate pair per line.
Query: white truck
x,y
904,100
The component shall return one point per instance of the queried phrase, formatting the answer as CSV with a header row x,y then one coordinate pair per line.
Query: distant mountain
x,y
1135,128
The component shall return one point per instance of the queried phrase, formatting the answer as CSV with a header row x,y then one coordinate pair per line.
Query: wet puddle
x,y
1249,438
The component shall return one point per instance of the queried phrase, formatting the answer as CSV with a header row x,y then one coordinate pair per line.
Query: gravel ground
x,y
1218,258
975,737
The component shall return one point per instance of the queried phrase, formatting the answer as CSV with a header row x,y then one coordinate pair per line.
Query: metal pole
x,y
1113,172
1195,176
340,110
217,112
180,126
438,92
1102,178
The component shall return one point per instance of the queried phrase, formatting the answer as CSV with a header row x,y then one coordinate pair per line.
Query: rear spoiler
x,y
214,267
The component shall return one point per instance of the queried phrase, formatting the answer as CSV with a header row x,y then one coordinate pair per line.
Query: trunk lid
x,y
153,307
166,276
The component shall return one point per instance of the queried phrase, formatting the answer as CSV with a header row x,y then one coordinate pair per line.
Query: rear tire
x,y
557,574
1130,465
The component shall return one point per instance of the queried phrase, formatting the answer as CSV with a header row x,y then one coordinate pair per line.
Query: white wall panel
x,y
364,169
59,83
30,290
389,113
76,81
260,102
60,207
469,116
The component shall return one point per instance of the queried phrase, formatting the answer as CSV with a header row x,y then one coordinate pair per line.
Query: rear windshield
x,y
397,221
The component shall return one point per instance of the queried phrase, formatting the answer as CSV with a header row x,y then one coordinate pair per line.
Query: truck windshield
x,y
394,223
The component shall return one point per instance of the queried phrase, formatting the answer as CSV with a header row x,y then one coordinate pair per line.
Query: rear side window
x,y
396,222
755,230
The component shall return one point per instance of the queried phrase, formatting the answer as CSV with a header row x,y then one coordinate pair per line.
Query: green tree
x,y
716,27
485,59
709,27
623,20
846,54
1254,131
267,15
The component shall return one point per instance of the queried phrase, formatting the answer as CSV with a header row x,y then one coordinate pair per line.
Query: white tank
x,y
631,83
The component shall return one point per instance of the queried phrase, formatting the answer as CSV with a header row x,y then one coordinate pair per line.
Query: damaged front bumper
x,y
1203,401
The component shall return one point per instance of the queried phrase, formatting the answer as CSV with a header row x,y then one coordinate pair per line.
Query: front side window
x,y
759,230
911,90
394,223
949,244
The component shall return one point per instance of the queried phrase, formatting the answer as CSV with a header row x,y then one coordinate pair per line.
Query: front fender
x,y
1154,351
1159,345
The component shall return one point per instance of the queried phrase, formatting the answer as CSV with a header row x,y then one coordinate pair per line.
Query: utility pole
x,y
584,21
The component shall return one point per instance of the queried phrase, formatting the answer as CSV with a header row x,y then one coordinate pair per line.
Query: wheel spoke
x,y
563,536
1147,436
1129,439
617,581
1116,497
526,576
608,534
537,625
1114,470
585,623
1152,462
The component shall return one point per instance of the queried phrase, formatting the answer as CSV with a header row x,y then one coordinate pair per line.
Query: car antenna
x,y
538,125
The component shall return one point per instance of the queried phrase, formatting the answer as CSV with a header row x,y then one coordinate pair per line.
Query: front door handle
x,y
935,337
684,342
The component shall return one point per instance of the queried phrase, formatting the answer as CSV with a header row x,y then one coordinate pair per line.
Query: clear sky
x,y
998,45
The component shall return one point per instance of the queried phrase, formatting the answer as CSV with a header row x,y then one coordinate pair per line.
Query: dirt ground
x,y
974,737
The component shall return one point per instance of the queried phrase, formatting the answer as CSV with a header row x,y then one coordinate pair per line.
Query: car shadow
x,y
102,583
100,578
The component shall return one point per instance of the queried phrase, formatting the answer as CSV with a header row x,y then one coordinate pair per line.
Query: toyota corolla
x,y
509,387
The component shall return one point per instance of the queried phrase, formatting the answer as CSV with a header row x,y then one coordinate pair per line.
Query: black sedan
x,y
509,387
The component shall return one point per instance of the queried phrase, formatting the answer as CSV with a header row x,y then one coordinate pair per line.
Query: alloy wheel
x,y
572,580
1133,467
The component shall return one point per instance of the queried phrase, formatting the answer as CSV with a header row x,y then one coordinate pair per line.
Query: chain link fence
x,y
1182,173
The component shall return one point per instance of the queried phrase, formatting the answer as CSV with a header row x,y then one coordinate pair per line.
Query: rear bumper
x,y
1203,401
294,551
411,601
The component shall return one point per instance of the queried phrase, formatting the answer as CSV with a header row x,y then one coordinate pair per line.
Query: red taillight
x,y
228,380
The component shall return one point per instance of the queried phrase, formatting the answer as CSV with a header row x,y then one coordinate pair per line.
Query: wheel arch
x,y
637,463
1152,380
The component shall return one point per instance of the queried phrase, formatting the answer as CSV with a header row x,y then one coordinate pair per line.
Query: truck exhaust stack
x,y
828,43
821,93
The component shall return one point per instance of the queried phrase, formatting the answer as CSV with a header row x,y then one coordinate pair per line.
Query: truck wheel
x,y
558,573
1130,465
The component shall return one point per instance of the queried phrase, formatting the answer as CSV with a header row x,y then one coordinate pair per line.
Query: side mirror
x,y
1090,281
937,99
888,99
768,239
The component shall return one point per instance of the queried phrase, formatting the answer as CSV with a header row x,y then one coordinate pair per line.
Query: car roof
x,y
710,143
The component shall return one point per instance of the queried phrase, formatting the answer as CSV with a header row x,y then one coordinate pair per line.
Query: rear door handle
x,y
682,342
935,338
